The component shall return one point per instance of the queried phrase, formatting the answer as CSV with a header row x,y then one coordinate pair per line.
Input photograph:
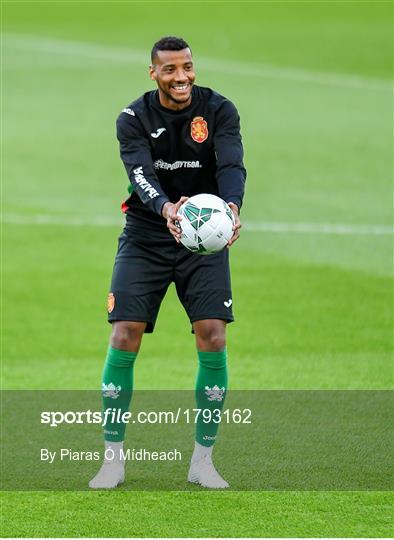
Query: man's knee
x,y
127,335
210,335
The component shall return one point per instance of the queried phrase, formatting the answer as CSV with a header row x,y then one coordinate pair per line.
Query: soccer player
x,y
177,141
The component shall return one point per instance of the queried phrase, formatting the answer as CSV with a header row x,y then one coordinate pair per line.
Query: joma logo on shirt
x,y
143,183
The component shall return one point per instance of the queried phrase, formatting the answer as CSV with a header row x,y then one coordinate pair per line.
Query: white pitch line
x,y
133,56
319,228
67,221
259,227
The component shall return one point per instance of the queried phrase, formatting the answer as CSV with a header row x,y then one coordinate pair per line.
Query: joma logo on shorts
x,y
143,183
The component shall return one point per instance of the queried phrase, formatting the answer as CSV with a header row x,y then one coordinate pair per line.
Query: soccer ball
x,y
206,225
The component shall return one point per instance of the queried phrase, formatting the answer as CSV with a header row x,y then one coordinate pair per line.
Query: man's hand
x,y
237,224
170,213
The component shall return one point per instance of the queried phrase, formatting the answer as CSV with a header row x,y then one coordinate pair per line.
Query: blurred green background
x,y
312,272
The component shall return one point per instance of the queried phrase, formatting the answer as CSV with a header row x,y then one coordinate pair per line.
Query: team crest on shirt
x,y
199,129
110,302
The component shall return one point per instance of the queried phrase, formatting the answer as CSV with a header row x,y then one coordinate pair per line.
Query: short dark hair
x,y
168,43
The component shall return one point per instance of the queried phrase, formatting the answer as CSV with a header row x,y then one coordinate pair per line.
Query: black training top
x,y
169,153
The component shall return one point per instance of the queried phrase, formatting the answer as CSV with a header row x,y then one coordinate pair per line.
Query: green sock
x,y
117,389
211,386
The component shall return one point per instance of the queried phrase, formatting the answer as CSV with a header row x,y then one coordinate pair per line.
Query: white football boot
x,y
112,471
204,473
110,475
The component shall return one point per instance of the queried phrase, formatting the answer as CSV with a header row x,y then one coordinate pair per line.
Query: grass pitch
x,y
314,310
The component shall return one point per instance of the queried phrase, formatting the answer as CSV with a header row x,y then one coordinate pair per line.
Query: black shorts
x,y
148,260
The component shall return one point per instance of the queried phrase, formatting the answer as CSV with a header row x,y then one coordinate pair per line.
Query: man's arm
x,y
137,159
230,170
230,173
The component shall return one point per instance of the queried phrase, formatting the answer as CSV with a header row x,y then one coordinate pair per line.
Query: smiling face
x,y
174,74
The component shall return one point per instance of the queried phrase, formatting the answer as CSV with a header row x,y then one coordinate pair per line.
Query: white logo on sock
x,y
215,393
110,390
